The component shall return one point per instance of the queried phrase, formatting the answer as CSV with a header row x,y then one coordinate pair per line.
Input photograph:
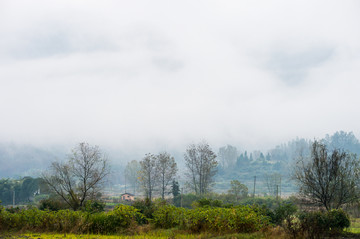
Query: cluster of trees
x,y
81,177
274,164
20,191
325,175
201,164
156,173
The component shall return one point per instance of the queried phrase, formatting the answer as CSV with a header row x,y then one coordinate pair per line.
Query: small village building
x,y
127,197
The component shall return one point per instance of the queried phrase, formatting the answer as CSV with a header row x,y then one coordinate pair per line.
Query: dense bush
x,y
282,212
313,224
237,219
123,217
33,219
337,220
169,216
52,204
94,206
317,224
215,219
146,207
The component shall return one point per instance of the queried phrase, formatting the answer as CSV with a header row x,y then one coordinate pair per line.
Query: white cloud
x,y
155,73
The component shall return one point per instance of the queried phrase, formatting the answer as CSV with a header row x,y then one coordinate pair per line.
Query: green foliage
x,y
122,217
319,223
52,204
24,189
292,226
168,216
207,202
203,219
276,210
146,207
175,189
238,219
94,206
338,220
214,219
313,224
283,212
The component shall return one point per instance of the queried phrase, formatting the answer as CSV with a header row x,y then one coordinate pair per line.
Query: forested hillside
x,y
24,160
273,168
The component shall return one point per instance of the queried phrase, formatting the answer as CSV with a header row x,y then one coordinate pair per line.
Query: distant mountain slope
x,y
24,160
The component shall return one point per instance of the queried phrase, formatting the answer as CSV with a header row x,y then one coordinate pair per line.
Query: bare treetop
x,y
80,178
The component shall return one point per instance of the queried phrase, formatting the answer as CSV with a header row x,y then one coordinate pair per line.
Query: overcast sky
x,y
162,74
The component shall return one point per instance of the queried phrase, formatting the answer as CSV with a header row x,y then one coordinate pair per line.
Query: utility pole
x,y
14,198
254,186
277,192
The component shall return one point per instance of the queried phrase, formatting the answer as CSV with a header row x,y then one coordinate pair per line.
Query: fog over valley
x,y
135,77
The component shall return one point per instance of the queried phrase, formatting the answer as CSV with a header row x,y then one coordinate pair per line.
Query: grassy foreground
x,y
151,235
354,226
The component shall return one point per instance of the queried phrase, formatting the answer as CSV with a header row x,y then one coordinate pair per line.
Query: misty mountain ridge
x,y
20,160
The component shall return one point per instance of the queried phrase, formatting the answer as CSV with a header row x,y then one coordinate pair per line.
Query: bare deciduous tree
x,y
201,163
148,174
328,180
167,169
132,174
80,178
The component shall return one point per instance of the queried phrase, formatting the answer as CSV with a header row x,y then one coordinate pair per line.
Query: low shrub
x,y
283,212
241,219
122,217
33,219
94,206
317,224
168,216
214,219
52,204
146,207
337,220
313,224
237,219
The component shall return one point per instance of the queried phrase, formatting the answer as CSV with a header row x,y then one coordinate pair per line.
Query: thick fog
x,y
152,75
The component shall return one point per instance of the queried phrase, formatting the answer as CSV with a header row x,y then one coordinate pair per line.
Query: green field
x,y
354,226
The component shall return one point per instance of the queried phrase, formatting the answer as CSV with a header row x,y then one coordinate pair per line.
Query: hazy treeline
x,y
233,163
21,191
272,168
243,165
